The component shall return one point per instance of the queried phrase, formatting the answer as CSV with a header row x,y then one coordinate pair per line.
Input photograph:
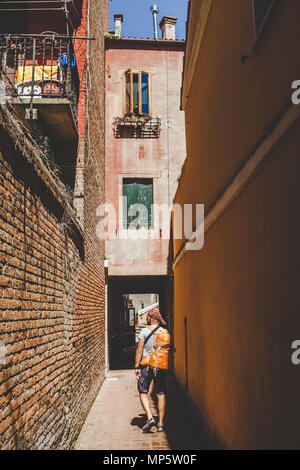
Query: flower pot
x,y
52,87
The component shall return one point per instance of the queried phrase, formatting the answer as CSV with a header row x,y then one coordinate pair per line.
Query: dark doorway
x,y
127,298
133,319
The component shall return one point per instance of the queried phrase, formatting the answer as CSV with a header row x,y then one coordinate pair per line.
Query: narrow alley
x,y
149,192
116,418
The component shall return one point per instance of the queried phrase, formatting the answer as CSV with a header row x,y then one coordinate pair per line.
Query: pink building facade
x,y
150,151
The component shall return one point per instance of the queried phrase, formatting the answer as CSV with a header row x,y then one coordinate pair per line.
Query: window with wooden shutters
x,y
138,205
137,93
261,10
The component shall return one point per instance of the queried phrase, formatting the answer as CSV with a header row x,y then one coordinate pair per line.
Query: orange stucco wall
x,y
240,293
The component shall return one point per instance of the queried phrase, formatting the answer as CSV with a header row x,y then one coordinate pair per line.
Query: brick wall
x,y
95,114
80,47
51,283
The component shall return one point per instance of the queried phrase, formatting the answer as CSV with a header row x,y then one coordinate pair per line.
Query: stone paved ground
x,y
116,419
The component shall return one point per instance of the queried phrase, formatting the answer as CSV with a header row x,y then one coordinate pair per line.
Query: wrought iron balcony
x,y
140,127
40,70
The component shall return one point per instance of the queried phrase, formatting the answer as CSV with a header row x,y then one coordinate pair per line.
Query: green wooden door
x,y
138,191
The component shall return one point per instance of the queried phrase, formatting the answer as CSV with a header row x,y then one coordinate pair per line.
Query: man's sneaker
x,y
151,422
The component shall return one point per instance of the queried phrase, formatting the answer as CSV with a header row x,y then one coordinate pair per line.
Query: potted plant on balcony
x,y
52,87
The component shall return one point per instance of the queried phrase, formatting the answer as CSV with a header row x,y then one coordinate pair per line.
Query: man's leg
x,y
144,397
151,388
160,385
161,403
143,388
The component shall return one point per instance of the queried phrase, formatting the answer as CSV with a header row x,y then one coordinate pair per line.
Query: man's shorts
x,y
147,375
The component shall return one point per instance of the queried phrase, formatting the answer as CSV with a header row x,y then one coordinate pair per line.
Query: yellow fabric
x,y
40,72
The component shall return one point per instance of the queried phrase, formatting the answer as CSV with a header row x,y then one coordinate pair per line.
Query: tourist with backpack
x,y
152,360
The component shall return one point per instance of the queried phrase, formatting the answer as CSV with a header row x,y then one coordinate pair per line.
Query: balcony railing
x,y
39,66
139,127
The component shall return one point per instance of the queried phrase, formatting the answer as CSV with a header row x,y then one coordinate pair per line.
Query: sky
x,y
138,20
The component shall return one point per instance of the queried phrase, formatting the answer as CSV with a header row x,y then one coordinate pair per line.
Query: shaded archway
x,y
122,332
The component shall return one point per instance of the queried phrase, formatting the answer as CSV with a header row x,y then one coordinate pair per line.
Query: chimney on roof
x,y
118,24
167,26
155,11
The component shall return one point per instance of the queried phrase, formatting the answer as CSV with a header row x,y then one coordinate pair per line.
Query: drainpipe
x,y
154,10
67,15
168,129
88,35
106,319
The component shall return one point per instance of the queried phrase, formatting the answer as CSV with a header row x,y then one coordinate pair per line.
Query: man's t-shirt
x,y
143,335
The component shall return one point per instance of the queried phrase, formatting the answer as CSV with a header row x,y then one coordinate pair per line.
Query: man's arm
x,y
138,357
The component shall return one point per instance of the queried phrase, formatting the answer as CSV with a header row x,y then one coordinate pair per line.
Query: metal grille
x,y
143,127
39,66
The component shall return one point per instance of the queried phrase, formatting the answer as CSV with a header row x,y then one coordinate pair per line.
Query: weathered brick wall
x,y
51,287
80,47
95,114
90,314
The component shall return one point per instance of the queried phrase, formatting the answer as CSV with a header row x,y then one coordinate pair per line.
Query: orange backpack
x,y
160,357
